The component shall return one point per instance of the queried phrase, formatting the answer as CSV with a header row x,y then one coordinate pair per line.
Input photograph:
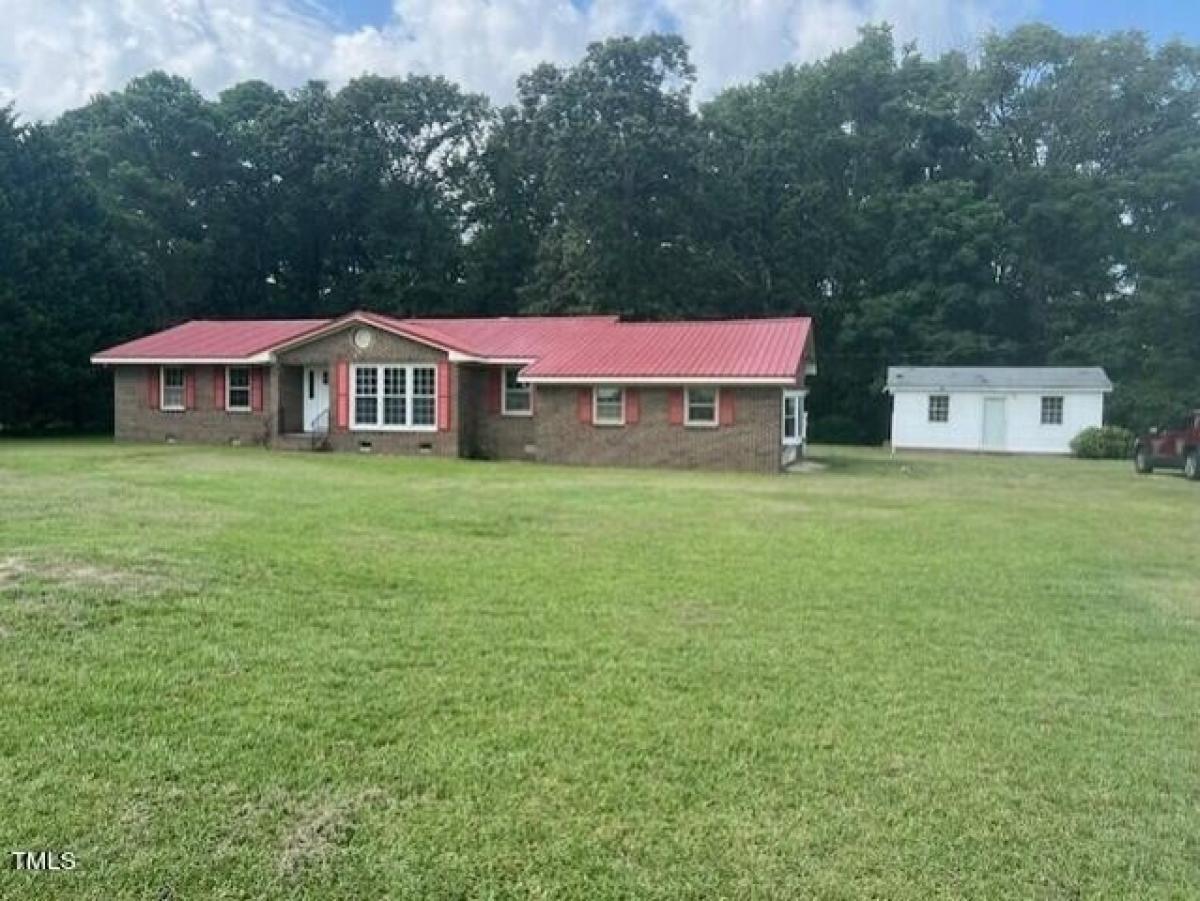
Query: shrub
x,y
1108,443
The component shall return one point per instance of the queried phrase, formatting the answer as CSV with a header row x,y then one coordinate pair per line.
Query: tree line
x,y
1036,203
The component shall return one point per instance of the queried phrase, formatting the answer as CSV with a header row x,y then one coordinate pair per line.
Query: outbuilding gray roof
x,y
997,378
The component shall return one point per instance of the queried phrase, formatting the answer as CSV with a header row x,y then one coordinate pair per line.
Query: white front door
x,y
994,426
316,399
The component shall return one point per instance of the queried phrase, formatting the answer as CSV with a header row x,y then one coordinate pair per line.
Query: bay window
x,y
394,397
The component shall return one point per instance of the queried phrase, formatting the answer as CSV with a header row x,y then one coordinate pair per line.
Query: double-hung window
x,y
1052,410
518,398
394,397
237,389
608,406
939,408
700,406
172,381
424,397
793,417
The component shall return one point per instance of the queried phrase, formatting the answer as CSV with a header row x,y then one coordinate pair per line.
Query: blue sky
x,y
56,54
1161,19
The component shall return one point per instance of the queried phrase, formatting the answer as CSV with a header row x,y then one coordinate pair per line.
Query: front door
x,y
994,426
316,399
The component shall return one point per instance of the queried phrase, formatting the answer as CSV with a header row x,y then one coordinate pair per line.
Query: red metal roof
x,y
563,347
505,337
746,348
204,339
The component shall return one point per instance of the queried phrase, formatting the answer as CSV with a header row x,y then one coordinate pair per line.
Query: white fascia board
x,y
356,319
978,389
182,361
457,356
656,380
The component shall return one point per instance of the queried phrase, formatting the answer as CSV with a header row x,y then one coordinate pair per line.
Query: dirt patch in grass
x,y
69,594
318,829
11,569
15,571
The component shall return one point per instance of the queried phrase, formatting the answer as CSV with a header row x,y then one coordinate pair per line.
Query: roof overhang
x,y
183,361
783,381
457,356
357,318
994,389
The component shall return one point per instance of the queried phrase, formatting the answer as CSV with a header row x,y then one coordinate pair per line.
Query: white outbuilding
x,y
1003,409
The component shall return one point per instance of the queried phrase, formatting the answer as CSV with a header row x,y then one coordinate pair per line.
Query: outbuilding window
x,y
518,398
237,389
700,406
793,417
608,406
1052,410
172,382
394,398
939,408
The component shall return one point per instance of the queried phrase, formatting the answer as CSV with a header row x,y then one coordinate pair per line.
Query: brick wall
x,y
752,442
384,348
208,423
488,433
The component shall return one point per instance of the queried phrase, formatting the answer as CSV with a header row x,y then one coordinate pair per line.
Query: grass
x,y
228,673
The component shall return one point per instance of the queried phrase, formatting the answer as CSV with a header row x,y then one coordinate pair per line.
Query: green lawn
x,y
242,674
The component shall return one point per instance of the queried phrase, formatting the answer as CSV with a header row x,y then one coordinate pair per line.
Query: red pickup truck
x,y
1177,446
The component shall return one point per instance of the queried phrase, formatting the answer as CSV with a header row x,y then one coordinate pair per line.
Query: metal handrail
x,y
319,428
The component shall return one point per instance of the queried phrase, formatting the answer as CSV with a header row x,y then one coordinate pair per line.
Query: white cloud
x,y
55,54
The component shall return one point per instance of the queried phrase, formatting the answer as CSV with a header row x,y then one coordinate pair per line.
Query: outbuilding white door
x,y
316,399
994,425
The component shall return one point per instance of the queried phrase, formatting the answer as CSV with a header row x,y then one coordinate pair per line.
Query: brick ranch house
x,y
576,389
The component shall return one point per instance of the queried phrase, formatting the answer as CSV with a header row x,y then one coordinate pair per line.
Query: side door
x,y
995,426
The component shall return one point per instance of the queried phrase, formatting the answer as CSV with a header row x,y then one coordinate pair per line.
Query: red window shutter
x,y
633,406
218,376
726,403
584,405
256,389
675,406
341,378
152,395
189,388
495,388
443,396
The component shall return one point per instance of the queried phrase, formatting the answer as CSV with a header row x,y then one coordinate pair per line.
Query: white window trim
x,y
929,409
356,426
702,423
229,407
801,417
1062,410
162,390
504,410
596,420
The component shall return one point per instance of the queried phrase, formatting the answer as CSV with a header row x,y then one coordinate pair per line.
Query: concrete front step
x,y
299,441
